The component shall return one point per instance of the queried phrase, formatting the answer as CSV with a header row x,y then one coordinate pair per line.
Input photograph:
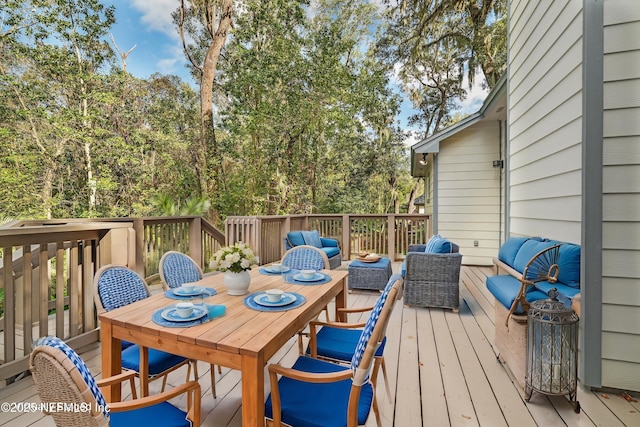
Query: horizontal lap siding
x,y
621,196
469,191
545,128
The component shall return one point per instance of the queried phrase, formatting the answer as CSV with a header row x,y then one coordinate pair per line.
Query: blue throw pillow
x,y
510,248
438,245
569,265
312,238
529,249
295,238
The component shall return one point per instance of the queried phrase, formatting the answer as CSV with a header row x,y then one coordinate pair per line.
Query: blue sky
x,y
147,24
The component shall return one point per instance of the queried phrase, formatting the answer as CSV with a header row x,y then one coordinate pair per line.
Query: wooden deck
x,y
442,368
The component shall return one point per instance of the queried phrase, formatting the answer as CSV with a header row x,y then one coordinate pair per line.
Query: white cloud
x,y
156,15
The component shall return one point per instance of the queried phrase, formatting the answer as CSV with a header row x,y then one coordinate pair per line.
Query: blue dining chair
x,y
318,393
60,375
336,341
305,257
176,269
117,286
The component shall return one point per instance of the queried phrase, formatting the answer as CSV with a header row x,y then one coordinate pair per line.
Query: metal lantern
x,y
552,349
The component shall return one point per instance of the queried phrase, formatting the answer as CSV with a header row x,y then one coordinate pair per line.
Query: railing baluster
x,y
27,285
60,290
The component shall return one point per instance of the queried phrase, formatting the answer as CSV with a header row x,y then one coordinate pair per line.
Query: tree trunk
x,y
212,161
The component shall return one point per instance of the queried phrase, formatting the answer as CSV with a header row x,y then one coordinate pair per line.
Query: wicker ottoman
x,y
369,275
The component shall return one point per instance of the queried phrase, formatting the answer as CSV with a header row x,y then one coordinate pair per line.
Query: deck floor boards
x,y
442,368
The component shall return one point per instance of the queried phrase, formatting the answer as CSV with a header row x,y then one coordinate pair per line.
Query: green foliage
x,y
434,42
306,116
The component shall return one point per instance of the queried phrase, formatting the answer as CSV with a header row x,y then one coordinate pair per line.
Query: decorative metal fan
x,y
542,267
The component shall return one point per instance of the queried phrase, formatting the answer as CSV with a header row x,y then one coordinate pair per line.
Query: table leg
x,y
252,391
144,371
341,302
111,361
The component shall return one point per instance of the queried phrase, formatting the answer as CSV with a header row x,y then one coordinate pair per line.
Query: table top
x,y
241,330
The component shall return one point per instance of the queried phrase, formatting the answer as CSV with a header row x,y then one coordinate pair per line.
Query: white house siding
x,y
621,196
545,128
469,191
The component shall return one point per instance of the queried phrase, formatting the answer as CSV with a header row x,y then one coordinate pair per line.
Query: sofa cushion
x,y
527,251
569,265
295,238
331,251
438,245
565,292
312,238
510,248
505,288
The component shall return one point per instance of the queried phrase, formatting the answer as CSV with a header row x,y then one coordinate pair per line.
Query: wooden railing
x,y
47,269
388,235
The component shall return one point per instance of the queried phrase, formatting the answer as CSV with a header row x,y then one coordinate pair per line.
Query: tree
x,y
52,52
476,27
207,23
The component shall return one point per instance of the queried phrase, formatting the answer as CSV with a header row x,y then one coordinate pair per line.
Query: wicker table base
x,y
369,275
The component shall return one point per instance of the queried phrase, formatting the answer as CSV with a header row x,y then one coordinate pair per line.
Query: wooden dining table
x,y
243,339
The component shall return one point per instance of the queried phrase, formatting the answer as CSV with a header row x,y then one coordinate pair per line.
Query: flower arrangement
x,y
236,258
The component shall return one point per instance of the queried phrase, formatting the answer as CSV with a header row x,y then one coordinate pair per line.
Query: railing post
x,y
391,237
118,247
195,240
140,251
9,304
346,237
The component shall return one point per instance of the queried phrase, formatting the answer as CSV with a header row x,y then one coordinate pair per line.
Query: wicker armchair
x,y
64,381
432,280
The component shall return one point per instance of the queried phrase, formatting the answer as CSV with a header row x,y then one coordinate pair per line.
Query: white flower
x,y
236,258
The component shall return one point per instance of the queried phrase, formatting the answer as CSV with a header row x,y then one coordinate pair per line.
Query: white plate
x,y
283,269
181,292
262,299
316,277
171,314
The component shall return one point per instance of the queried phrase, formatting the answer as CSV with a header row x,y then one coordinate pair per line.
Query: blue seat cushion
x,y
162,414
159,361
331,251
565,292
403,267
527,251
319,404
340,344
295,238
505,288
312,238
438,245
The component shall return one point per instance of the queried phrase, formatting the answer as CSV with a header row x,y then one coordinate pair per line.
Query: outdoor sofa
x,y
526,269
